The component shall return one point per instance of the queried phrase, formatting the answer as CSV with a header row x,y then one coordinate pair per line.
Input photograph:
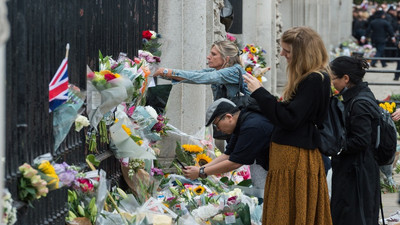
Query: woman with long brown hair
x,y
295,190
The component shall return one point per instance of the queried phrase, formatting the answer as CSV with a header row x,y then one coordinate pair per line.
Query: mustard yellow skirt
x,y
296,192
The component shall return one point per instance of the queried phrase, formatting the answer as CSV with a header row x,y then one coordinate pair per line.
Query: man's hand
x,y
362,39
191,172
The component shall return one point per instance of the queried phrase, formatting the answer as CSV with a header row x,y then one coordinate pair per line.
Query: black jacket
x,y
295,121
355,177
379,29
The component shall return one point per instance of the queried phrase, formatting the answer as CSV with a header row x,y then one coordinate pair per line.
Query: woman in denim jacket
x,y
225,70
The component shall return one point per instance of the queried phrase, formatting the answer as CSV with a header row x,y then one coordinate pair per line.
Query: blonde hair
x,y
228,48
308,54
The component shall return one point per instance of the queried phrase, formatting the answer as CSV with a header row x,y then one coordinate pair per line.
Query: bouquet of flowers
x,y
9,215
254,61
31,186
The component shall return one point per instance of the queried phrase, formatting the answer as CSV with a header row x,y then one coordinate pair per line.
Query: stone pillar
x,y
188,29
4,34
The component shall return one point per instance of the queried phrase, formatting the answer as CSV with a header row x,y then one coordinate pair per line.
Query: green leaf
x,y
245,183
92,159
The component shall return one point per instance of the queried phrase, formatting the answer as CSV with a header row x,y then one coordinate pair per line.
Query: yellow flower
x,y
393,104
199,190
203,159
249,69
140,142
166,205
54,181
116,75
127,129
104,72
192,148
116,120
259,78
46,167
253,50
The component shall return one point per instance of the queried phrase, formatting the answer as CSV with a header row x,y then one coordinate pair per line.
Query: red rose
x,y
146,34
109,77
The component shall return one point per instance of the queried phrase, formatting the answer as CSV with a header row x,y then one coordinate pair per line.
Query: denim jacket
x,y
228,77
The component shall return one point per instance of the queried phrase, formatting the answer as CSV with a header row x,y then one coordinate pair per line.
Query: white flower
x,y
151,111
153,34
80,122
205,212
255,200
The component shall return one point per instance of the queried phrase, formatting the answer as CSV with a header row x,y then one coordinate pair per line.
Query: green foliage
x,y
182,155
92,159
245,183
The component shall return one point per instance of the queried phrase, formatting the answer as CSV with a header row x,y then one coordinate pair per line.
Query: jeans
x,y
380,48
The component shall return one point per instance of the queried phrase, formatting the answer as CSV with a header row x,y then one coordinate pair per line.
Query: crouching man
x,y
248,145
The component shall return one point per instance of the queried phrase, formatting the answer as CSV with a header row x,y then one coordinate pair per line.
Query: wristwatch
x,y
202,174
165,72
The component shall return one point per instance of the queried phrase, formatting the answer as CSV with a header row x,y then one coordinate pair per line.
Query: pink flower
x,y
229,213
109,77
90,75
230,37
85,184
232,200
131,110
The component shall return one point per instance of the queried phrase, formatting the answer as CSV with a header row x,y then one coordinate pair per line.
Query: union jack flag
x,y
58,87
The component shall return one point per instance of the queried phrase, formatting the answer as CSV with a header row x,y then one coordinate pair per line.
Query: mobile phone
x,y
180,163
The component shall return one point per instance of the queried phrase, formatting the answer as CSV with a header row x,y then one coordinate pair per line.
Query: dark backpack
x,y
386,136
332,131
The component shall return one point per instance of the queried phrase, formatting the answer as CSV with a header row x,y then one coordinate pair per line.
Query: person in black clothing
x,y
355,173
359,26
378,30
248,145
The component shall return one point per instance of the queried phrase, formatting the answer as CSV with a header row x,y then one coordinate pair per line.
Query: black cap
x,y
218,108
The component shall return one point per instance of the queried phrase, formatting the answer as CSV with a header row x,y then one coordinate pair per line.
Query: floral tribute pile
x,y
118,115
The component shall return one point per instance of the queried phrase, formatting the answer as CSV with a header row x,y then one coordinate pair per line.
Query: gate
x,y
40,30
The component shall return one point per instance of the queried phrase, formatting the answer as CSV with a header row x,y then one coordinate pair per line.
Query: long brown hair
x,y
308,54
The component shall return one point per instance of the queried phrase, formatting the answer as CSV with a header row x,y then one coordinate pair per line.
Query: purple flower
x,y
59,168
67,177
156,171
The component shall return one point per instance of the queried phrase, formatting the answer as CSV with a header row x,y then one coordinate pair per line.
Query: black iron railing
x,y
40,29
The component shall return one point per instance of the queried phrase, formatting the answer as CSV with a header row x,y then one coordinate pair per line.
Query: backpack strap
x,y
376,107
241,88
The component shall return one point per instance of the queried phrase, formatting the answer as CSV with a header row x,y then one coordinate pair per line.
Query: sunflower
x,y
203,159
253,50
199,190
192,148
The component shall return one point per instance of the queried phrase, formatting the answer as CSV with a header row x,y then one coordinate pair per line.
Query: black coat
x,y
379,29
355,177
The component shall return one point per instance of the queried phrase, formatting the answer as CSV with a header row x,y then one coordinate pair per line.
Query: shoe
x,y
373,65
384,65
396,79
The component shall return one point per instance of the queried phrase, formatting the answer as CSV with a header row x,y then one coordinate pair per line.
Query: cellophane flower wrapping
x,y
146,119
104,95
64,115
125,146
